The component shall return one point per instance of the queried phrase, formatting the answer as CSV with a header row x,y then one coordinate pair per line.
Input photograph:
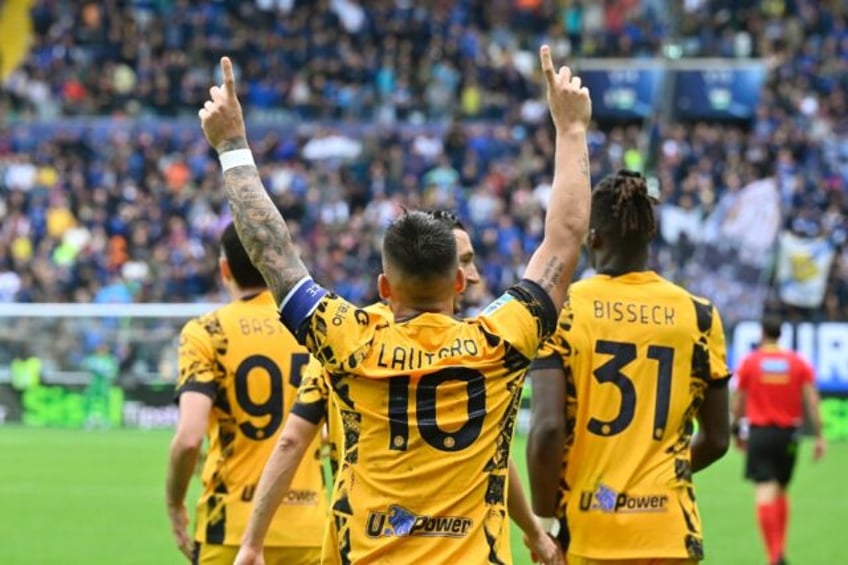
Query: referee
x,y
773,385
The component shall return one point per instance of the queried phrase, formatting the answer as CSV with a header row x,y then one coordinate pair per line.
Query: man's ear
x,y
224,268
460,282
383,287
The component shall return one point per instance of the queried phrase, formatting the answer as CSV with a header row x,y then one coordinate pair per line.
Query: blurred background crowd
x,y
359,109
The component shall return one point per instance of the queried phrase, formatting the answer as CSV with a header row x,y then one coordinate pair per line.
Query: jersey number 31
x,y
610,372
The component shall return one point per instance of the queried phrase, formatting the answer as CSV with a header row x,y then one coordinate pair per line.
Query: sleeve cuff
x,y
550,362
539,302
209,389
314,413
299,304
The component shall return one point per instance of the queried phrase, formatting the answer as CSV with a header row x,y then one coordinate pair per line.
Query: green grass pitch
x,y
74,497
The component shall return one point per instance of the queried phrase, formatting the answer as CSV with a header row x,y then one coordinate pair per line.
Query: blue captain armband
x,y
299,304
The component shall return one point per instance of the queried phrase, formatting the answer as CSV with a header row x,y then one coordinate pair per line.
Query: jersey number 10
x,y
610,372
425,410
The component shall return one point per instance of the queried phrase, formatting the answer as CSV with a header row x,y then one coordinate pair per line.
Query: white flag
x,y
803,269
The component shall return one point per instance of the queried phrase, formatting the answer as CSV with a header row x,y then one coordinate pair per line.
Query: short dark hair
x,y
771,323
244,272
421,245
449,218
622,210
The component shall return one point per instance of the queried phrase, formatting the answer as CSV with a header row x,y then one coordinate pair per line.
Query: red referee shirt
x,y
773,380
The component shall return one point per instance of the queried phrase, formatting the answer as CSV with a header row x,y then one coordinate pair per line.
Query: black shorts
x,y
771,454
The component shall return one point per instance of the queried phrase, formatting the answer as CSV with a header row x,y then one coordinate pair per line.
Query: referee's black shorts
x,y
771,454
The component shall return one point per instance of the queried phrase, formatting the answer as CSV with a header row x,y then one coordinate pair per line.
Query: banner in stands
x,y
731,263
803,268
716,93
151,407
825,345
628,93
63,406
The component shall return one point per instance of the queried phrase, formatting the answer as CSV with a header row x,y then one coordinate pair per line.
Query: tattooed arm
x,y
567,219
260,225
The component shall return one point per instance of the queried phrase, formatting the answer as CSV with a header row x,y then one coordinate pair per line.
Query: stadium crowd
x,y
324,59
404,104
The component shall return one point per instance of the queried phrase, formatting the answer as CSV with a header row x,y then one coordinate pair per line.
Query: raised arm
x,y
567,218
259,224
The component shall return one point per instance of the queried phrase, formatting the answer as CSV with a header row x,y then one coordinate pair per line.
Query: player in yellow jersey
x,y
315,405
635,361
314,400
428,402
239,371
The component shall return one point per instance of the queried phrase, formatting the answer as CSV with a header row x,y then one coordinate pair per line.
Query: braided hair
x,y
623,211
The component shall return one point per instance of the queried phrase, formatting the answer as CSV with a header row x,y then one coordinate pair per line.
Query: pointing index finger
x,y
547,64
229,79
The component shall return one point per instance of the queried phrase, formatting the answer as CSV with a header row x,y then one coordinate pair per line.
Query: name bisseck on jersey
x,y
634,313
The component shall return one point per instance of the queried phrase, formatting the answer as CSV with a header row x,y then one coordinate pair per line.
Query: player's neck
x,y
404,311
411,297
616,265
247,293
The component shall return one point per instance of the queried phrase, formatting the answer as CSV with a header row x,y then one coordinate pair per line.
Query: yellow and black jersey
x,y
250,365
639,353
427,406
315,403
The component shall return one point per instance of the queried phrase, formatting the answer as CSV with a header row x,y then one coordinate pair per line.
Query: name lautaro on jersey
x,y
400,358
398,521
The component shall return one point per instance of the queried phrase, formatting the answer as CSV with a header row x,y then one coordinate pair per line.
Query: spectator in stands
x,y
83,206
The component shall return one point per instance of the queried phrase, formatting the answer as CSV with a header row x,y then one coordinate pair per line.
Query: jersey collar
x,y
632,277
426,316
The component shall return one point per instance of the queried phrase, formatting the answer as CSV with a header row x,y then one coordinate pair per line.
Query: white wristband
x,y
549,525
236,158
